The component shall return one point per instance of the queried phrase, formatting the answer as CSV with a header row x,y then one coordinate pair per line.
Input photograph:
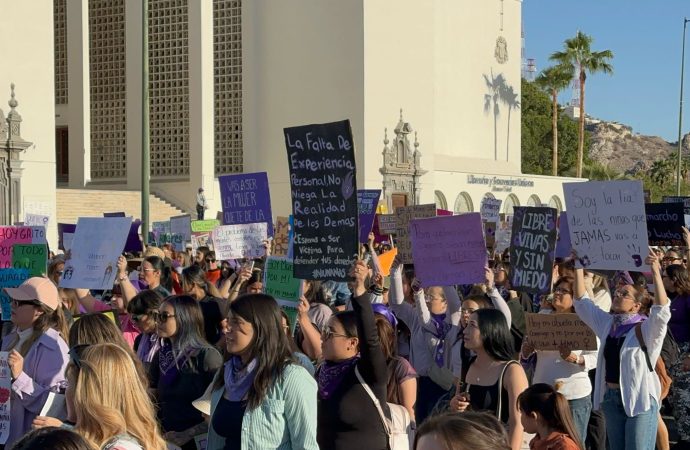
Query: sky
x,y
645,37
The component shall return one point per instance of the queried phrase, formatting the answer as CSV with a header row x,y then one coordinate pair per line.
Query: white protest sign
x,y
608,224
504,232
97,244
490,209
240,240
5,395
36,220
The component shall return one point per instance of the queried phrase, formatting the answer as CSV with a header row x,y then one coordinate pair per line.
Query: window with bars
x,y
60,46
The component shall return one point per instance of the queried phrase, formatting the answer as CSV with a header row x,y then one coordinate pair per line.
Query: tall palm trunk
x,y
581,140
554,130
508,135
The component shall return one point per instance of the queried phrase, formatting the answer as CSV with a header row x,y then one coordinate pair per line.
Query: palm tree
x,y
495,86
553,80
510,98
577,55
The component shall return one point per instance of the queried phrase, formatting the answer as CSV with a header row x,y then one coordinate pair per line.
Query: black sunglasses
x,y
75,354
210,260
18,303
139,317
162,317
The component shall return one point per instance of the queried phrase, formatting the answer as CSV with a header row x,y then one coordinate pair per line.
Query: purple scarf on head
x,y
331,375
622,323
441,328
238,379
149,344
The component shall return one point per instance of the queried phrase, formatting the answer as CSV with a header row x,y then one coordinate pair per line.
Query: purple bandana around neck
x,y
238,379
441,328
149,344
622,323
331,375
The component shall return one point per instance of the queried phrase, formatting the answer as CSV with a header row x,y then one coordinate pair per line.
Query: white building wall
x,y
26,49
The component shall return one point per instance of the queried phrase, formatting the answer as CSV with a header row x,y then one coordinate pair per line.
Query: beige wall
x,y
26,49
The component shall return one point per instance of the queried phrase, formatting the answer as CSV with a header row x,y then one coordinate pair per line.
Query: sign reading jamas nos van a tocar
x,y
323,183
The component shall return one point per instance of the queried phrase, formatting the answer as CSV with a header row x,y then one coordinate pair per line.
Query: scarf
x,y
149,344
441,328
167,363
238,378
331,375
622,323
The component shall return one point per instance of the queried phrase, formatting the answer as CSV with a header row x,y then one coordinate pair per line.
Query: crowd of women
x,y
187,352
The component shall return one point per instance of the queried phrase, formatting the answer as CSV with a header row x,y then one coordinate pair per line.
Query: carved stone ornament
x,y
501,51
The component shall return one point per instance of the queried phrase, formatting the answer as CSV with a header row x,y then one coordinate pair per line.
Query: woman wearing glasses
x,y
153,272
182,369
262,398
626,390
142,309
108,402
37,350
566,368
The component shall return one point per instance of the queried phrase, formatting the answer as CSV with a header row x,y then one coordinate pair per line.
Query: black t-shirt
x,y
210,309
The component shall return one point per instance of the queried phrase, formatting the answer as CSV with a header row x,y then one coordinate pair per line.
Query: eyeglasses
x,y
622,293
162,317
562,291
60,272
18,303
210,260
468,310
75,354
671,258
139,317
327,333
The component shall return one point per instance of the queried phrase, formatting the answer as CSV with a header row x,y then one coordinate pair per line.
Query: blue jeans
x,y
580,408
628,433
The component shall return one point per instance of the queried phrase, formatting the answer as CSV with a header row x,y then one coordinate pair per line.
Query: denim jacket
x,y
285,420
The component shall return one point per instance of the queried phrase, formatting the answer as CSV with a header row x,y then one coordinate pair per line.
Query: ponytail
x,y
552,406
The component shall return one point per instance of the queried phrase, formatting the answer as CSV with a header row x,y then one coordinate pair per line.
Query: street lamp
x,y
680,112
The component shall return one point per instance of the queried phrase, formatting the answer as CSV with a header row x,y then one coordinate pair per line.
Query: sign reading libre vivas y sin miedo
x,y
323,183
532,249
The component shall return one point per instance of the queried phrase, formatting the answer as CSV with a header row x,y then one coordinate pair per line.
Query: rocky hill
x,y
619,147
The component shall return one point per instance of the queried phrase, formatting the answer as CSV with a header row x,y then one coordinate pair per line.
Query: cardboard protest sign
x,y
5,397
10,236
563,246
608,226
367,201
504,231
10,278
201,232
32,257
676,199
386,261
387,223
323,181
239,241
182,225
664,223
98,242
403,216
448,250
532,249
280,236
490,209
551,331
246,199
36,220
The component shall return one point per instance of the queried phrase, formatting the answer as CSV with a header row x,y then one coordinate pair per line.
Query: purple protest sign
x,y
367,201
62,229
563,247
133,243
448,250
246,199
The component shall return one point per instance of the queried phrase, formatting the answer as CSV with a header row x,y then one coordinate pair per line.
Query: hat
x,y
36,288
154,251
188,245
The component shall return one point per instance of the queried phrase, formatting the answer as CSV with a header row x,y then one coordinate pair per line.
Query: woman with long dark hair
x,y
153,272
545,413
142,310
213,308
261,397
494,380
182,369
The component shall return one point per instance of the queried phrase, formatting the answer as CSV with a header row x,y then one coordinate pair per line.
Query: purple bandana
x,y
149,344
441,328
167,363
622,323
331,375
238,379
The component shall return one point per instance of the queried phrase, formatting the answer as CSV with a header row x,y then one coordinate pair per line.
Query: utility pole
x,y
145,141
680,110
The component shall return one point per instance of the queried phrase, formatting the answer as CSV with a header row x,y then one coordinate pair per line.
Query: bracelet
x,y
122,278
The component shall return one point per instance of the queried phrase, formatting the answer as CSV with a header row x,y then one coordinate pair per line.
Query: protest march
x,y
347,326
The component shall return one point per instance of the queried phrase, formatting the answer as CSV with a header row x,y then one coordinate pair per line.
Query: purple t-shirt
x,y
680,318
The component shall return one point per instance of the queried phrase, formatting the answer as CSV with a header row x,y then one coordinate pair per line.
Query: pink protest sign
x,y
9,236
448,250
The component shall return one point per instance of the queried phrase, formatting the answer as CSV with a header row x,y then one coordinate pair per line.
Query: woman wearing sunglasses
x,y
37,351
108,402
626,390
182,369
142,309
262,398
153,272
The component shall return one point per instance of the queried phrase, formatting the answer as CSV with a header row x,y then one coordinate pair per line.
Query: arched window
x,y
508,204
463,204
440,199
556,203
533,200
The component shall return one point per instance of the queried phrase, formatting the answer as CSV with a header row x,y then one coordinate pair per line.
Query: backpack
x,y
659,367
398,427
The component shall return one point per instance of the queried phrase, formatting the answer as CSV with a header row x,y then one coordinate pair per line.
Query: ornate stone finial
x,y
13,101
401,114
385,137
416,142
